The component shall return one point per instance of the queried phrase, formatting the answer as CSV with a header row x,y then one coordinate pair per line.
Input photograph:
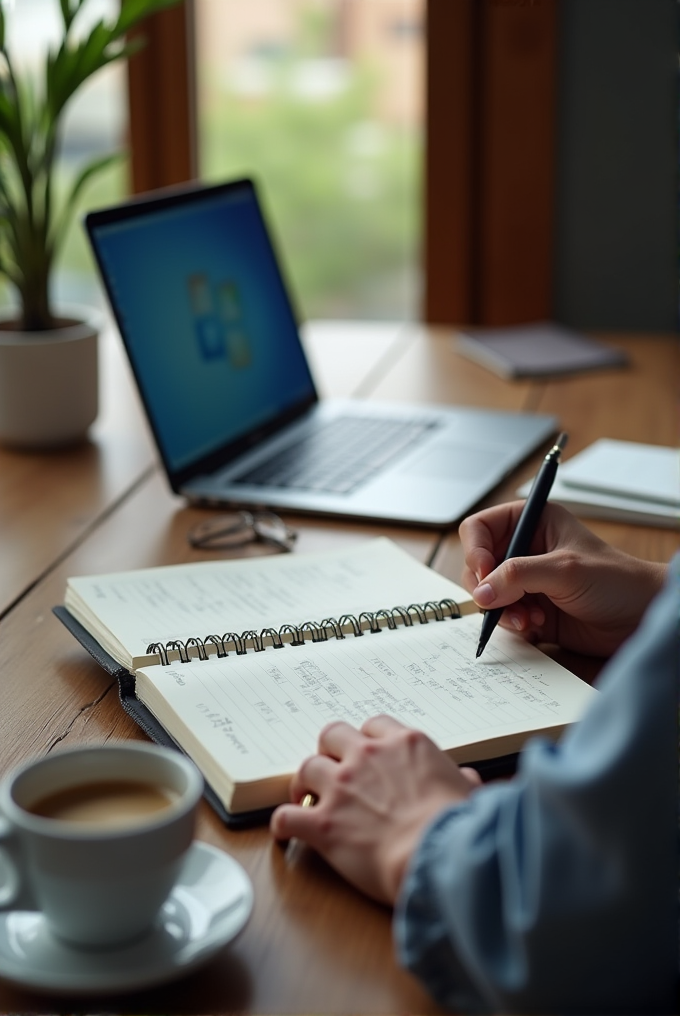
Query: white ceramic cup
x,y
96,887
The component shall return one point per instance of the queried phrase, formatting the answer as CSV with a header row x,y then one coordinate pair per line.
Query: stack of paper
x,y
621,480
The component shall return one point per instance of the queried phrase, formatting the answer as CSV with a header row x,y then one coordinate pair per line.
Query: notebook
x,y
241,663
209,327
540,349
628,469
623,481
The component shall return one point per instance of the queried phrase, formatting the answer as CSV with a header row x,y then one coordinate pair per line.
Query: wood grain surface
x,y
313,944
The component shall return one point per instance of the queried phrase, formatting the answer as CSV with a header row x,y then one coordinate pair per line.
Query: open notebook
x,y
241,663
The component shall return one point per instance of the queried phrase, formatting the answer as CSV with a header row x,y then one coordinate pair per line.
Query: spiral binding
x,y
368,621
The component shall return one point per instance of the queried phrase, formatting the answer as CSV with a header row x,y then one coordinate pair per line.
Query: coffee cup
x,y
95,838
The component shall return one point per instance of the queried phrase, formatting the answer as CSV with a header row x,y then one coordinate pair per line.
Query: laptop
x,y
200,300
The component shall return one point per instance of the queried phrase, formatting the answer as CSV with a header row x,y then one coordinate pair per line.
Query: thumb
x,y
509,582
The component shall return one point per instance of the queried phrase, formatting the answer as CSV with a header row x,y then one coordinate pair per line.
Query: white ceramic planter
x,y
49,382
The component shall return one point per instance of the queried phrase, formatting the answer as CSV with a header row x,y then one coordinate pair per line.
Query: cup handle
x,y
10,879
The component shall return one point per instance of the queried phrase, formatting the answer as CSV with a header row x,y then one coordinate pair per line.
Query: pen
x,y
526,527
294,844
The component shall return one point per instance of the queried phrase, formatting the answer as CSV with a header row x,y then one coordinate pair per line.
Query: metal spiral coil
x,y
368,621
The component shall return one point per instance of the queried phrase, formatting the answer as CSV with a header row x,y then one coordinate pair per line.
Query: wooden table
x,y
312,943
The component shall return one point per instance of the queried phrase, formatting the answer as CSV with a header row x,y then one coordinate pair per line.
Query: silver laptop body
x,y
209,328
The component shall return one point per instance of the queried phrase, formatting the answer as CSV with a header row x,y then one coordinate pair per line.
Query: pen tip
x,y
562,440
480,650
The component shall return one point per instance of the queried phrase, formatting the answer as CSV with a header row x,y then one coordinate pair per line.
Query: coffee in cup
x,y
96,838
110,804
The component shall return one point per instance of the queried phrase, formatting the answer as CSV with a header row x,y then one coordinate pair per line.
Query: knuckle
x,y
513,570
568,560
370,749
346,774
325,828
333,725
415,740
304,768
569,565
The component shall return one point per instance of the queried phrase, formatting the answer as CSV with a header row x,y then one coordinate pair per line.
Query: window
x,y
321,101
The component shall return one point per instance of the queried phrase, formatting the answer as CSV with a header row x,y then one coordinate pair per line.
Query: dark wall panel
x,y
616,254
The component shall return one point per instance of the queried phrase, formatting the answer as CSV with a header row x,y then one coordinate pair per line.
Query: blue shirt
x,y
556,892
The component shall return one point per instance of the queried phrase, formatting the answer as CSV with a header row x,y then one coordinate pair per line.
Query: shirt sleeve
x,y
558,890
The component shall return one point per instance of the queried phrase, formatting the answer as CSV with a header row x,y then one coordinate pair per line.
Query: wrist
x,y
649,578
401,850
657,574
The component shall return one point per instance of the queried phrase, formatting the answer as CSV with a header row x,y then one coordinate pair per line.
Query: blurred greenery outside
x,y
341,191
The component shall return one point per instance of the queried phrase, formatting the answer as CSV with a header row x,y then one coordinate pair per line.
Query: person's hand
x,y
377,789
575,590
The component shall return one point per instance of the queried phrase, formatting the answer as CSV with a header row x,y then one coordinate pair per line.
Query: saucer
x,y
209,905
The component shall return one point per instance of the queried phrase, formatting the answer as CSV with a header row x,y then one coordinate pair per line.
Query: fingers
x,y
289,820
519,576
317,773
471,775
382,726
523,617
337,738
485,537
336,741
313,776
549,570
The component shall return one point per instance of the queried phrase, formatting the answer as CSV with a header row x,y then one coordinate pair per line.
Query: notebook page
x,y
259,715
196,600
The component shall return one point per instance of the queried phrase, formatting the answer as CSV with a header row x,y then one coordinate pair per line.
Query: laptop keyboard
x,y
339,456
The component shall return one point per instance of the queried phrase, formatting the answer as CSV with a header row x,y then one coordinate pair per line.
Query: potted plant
x,y
48,360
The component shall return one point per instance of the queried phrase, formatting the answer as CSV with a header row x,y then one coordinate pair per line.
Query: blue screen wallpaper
x,y
206,319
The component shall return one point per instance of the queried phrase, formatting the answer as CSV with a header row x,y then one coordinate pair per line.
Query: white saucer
x,y
207,908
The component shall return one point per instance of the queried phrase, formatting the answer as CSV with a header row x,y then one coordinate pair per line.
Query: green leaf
x,y
66,15
71,65
92,55
11,129
9,118
30,121
69,9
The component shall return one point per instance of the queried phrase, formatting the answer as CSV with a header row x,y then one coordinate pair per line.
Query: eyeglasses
x,y
237,529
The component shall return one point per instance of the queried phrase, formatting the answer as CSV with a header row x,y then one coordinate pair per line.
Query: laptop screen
x,y
204,313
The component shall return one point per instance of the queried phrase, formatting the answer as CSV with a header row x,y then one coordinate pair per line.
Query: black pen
x,y
526,527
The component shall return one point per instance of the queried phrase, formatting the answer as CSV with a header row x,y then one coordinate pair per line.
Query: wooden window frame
x,y
162,101
489,162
